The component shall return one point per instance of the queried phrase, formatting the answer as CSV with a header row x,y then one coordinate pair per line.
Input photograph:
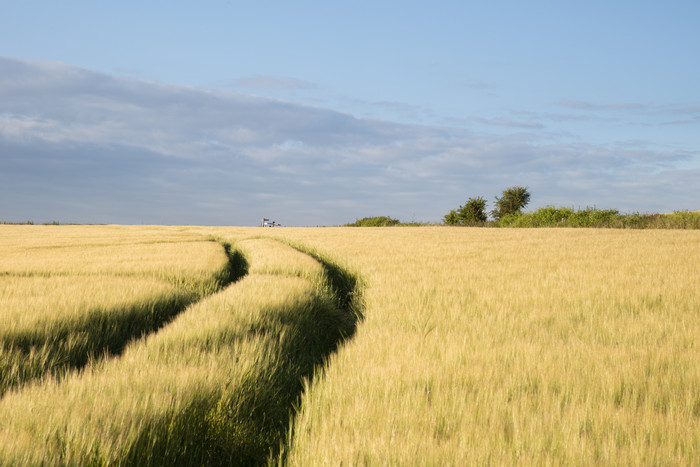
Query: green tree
x,y
451,218
513,200
473,211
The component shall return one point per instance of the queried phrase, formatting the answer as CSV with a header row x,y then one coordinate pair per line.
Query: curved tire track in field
x,y
346,294
247,417
28,356
250,424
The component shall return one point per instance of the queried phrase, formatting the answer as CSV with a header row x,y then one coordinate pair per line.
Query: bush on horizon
x,y
512,202
376,221
551,216
472,213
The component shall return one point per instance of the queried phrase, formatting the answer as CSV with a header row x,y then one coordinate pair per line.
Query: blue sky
x,y
316,113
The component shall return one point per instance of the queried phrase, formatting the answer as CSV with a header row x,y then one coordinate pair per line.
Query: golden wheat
x,y
510,347
67,296
206,388
34,303
478,346
102,413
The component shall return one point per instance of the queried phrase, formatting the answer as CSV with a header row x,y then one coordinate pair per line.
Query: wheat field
x,y
452,346
483,346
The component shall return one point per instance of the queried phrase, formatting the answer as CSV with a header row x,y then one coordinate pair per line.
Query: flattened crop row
x,y
215,386
50,324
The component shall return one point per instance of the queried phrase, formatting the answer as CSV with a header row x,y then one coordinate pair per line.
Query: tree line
x,y
508,212
509,206
473,212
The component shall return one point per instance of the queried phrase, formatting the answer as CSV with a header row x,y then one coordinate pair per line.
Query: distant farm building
x,y
268,223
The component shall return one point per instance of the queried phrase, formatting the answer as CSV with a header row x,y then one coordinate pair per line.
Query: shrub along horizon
x,y
376,221
551,216
513,200
472,213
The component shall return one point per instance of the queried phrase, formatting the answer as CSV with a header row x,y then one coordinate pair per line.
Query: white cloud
x,y
79,146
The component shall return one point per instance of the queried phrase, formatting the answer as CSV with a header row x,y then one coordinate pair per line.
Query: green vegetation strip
x,y
54,346
217,386
550,216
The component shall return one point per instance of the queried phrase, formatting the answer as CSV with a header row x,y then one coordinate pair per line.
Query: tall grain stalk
x,y
64,304
511,347
216,386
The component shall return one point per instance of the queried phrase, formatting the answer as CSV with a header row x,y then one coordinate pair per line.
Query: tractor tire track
x,y
100,334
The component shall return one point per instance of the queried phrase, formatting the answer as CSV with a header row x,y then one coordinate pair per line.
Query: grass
x,y
215,386
475,346
64,305
490,346
91,318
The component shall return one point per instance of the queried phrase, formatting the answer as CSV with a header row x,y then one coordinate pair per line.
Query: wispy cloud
x,y
505,122
266,82
582,105
81,146
561,117
399,110
689,121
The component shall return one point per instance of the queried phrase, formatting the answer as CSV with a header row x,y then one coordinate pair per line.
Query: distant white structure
x,y
268,223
